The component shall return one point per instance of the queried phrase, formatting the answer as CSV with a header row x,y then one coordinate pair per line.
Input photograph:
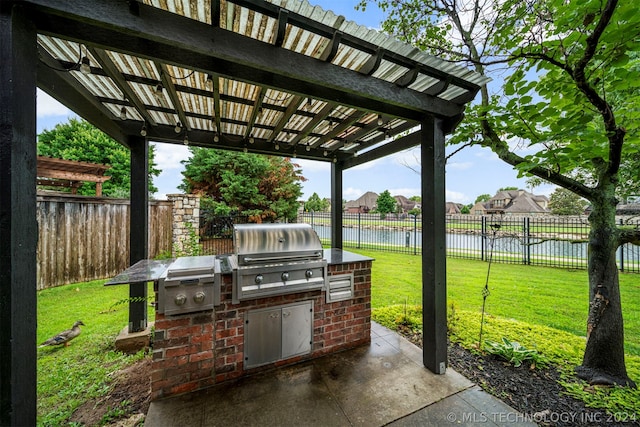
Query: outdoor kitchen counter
x,y
339,256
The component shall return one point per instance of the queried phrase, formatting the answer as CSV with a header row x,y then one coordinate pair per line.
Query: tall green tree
x,y
316,204
567,111
79,140
564,202
265,188
386,204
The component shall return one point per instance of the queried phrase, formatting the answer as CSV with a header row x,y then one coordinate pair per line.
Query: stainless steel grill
x,y
275,259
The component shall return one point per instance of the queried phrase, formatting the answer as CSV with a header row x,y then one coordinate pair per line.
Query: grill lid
x,y
191,266
261,243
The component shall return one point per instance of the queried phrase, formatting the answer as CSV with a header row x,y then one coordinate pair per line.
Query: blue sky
x,y
469,173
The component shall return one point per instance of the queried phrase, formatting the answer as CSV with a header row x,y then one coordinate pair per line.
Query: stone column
x,y
186,223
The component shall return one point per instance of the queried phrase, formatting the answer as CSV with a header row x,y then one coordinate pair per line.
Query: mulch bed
x,y
535,393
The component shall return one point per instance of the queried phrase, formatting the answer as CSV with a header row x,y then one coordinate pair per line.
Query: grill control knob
x,y
199,297
308,274
180,299
259,279
285,276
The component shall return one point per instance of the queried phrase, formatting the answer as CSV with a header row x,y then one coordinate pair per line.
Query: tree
x,y
508,189
386,204
316,204
416,199
567,112
81,141
564,202
263,187
482,198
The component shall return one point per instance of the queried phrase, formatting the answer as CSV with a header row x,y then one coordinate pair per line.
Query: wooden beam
x,y
18,226
174,39
112,71
332,48
68,91
320,116
167,82
373,141
283,15
341,127
72,176
294,103
404,143
257,106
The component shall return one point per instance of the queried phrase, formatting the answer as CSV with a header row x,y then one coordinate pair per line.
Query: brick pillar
x,y
186,218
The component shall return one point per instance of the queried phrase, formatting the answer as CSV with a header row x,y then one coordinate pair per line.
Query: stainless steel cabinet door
x,y
262,340
297,327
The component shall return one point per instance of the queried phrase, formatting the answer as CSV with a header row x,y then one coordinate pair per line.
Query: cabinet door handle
x,y
286,313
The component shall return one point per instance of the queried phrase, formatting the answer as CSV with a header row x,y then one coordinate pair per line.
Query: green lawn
x,y
546,296
68,376
543,307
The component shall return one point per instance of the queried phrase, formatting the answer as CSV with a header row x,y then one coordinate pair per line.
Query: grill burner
x,y
188,285
275,259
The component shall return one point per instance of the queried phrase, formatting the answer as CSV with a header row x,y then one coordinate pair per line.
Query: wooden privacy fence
x,y
87,238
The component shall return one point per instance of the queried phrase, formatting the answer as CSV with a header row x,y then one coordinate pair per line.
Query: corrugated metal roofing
x,y
242,111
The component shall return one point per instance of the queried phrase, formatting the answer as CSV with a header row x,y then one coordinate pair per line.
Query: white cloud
x,y
351,193
168,156
47,106
459,166
456,197
312,165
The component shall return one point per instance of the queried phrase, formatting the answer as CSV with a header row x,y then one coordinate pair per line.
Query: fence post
x,y
527,235
483,235
358,230
311,219
621,251
415,234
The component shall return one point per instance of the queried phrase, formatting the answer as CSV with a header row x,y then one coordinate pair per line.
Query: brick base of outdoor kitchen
x,y
194,351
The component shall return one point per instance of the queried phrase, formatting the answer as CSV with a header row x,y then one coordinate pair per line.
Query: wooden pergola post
x,y
18,226
336,205
139,228
434,261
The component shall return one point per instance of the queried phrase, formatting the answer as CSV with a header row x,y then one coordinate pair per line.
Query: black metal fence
x,y
216,232
553,241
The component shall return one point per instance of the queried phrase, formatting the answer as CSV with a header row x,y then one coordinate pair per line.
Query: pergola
x,y
70,173
277,77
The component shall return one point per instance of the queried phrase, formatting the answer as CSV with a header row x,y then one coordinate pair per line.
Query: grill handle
x,y
278,258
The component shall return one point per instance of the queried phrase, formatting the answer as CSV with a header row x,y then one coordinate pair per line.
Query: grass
x,y
552,297
69,376
542,308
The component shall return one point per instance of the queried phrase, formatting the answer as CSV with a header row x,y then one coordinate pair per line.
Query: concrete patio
x,y
384,383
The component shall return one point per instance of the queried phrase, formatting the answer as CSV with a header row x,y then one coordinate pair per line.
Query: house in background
x,y
405,205
363,204
513,202
453,208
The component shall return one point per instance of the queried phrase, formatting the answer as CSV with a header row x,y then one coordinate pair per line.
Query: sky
x,y
469,173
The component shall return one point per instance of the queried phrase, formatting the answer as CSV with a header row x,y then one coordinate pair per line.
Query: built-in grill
x,y
274,259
